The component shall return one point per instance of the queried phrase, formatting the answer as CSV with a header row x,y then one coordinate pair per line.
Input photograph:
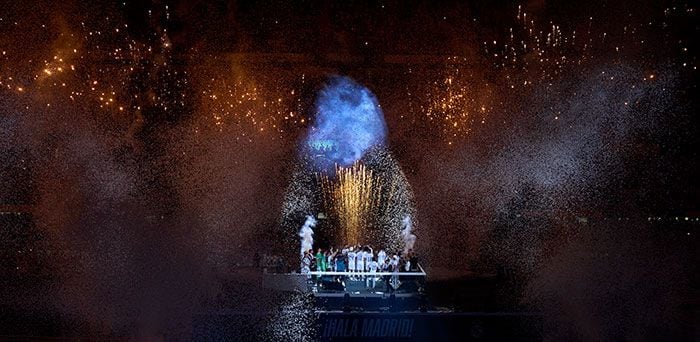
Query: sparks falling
x,y
352,197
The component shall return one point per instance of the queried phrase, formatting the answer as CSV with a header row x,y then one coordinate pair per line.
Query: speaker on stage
x,y
332,286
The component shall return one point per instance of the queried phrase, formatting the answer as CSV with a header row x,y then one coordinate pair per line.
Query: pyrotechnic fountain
x,y
352,196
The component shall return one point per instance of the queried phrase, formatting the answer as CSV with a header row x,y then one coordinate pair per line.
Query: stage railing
x,y
299,281
421,273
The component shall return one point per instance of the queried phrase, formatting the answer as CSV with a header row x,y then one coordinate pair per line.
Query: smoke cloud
x,y
349,121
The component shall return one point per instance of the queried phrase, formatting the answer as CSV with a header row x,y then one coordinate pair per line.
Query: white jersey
x,y
373,266
329,262
381,257
351,260
369,256
306,264
360,261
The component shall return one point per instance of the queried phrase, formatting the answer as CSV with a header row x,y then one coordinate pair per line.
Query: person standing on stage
x,y
381,259
351,260
330,265
395,270
360,262
320,260
327,260
369,256
373,266
340,262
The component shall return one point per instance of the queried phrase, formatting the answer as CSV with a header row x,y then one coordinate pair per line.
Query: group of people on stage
x,y
358,259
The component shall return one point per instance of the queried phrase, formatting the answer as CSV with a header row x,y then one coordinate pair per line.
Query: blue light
x,y
348,122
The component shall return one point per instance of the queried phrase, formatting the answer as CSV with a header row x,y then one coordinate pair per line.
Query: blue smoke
x,y
349,121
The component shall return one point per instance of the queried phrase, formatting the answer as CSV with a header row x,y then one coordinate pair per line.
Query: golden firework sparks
x,y
353,196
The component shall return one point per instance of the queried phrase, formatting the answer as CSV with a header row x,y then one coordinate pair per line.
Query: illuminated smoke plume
x,y
349,121
306,234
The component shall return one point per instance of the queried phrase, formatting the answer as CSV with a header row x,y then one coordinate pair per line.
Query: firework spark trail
x,y
247,104
102,66
453,103
353,197
366,202
94,67
531,56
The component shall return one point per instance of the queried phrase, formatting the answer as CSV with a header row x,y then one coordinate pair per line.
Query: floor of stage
x,y
358,287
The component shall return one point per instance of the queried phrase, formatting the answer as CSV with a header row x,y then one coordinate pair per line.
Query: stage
x,y
333,284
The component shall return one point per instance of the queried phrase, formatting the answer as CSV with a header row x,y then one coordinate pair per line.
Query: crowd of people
x,y
358,259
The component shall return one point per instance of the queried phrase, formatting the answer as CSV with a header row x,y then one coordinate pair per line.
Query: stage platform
x,y
331,283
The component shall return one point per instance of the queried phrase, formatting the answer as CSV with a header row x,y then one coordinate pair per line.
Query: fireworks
x,y
364,202
532,56
353,195
456,101
246,105
101,67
